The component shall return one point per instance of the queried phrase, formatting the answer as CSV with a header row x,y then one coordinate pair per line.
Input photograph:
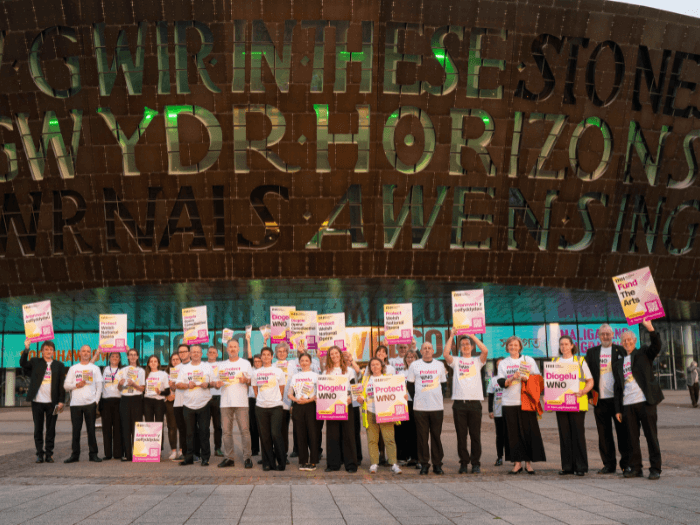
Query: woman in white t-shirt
x,y
109,408
572,434
522,428
405,433
341,433
157,389
302,393
381,353
132,383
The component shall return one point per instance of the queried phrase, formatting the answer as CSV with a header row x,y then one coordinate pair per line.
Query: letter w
x,y
133,73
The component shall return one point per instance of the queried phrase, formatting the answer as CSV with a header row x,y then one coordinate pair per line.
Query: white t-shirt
x,y
179,394
157,380
304,384
110,379
404,373
586,371
427,378
295,367
369,391
466,380
287,366
234,394
215,377
198,397
350,375
92,390
398,364
43,395
136,374
632,393
508,367
495,389
268,379
606,386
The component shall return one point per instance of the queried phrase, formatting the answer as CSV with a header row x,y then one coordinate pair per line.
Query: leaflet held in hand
x,y
398,323
638,296
38,322
468,313
195,325
112,333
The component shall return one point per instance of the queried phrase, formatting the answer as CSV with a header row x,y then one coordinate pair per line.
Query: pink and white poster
x,y
332,398
638,296
195,325
331,332
389,400
468,313
38,322
303,330
561,384
280,323
112,333
398,323
147,438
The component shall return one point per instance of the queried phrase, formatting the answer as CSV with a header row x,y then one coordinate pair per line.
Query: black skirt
x,y
523,435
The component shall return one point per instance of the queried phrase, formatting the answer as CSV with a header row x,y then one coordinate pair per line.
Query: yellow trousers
x,y
373,430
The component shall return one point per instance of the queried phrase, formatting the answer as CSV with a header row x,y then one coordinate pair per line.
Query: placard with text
x,y
638,296
331,398
561,384
147,438
38,321
389,401
195,325
468,313
398,323
113,333
280,323
331,332
303,331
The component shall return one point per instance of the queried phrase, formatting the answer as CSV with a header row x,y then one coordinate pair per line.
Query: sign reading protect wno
x,y
471,129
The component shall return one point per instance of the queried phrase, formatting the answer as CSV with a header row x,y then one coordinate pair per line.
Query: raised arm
x,y
447,352
654,349
482,348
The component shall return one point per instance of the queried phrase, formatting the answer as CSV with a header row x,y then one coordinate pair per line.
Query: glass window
x,y
153,343
495,340
534,339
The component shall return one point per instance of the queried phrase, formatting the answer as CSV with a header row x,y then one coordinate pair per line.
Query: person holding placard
x,y
426,380
233,381
215,402
183,352
46,394
355,407
398,362
109,408
170,417
522,429
405,433
84,380
637,392
132,383
268,385
252,419
282,352
302,393
572,433
495,392
194,379
157,389
340,435
467,395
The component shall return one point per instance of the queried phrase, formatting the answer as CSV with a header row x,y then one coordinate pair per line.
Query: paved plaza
x,y
117,493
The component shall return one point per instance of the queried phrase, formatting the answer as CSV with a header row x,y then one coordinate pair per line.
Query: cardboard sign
x,y
331,332
561,384
468,313
389,401
38,322
398,323
147,438
331,398
195,325
303,333
638,296
280,323
112,333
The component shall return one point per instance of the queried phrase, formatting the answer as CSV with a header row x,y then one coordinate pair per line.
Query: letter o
x,y
388,139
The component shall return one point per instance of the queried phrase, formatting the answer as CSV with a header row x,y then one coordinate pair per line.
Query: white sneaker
x,y
373,469
396,469
173,455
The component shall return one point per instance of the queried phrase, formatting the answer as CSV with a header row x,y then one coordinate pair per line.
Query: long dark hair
x,y
109,359
329,361
148,364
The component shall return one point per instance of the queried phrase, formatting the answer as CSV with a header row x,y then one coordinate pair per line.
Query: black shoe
x,y
424,471
531,472
186,462
514,472
498,463
124,458
218,453
438,470
266,468
629,473
248,463
352,470
329,469
260,462
464,470
205,463
255,453
227,463
280,468
654,475
94,458
106,458
476,469
49,459
72,459
294,454
606,470
566,472
580,473
39,458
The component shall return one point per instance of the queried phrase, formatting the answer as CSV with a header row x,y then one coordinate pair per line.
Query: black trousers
x,y
89,414
572,441
215,410
467,418
111,427
405,436
197,424
270,422
153,410
428,437
694,391
253,426
306,432
358,438
44,412
172,425
340,443
642,415
501,440
523,435
605,419
181,427
130,411
286,418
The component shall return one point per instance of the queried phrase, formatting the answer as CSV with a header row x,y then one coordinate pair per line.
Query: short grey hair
x,y
628,333
605,326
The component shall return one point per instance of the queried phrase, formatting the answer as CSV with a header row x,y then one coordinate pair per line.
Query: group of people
x,y
262,396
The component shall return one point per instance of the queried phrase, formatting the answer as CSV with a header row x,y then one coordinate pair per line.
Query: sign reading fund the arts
x,y
389,399
147,438
398,323
468,314
561,384
332,398
112,333
280,323
38,322
638,296
331,332
303,333
195,326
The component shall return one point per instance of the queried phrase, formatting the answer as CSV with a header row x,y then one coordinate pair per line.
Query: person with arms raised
x,y
132,383
194,379
398,362
46,394
109,408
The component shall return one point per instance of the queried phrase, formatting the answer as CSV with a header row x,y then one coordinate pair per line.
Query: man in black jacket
x,y
637,392
600,360
46,392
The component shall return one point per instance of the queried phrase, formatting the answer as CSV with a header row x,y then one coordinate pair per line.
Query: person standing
x,y
405,433
194,379
426,379
47,395
398,362
170,409
157,389
571,425
600,360
109,408
84,380
215,403
637,392
252,418
340,435
495,393
467,395
268,385
282,352
233,381
693,385
183,352
132,383
302,393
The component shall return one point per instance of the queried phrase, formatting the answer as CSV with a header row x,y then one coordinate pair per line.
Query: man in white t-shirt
x,y
194,378
84,380
397,362
467,395
268,385
426,379
233,380
215,403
